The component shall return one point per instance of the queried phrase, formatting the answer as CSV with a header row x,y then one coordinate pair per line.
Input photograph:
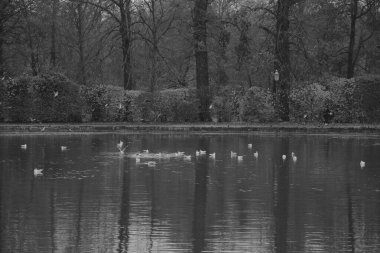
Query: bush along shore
x,y
53,98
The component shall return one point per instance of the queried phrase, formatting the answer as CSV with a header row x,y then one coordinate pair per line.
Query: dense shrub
x,y
31,99
309,102
343,101
225,106
257,105
55,98
367,90
2,99
111,103
96,102
176,105
18,100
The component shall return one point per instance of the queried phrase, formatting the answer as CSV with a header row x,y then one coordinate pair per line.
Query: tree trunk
x,y
125,30
154,50
2,21
282,58
53,33
351,47
1,49
201,58
79,24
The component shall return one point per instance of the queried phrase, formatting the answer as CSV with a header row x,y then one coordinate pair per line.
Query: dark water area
x,y
91,198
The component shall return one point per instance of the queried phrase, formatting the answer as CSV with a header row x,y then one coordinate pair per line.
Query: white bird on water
x,y
284,157
362,164
233,154
179,153
197,153
256,154
151,164
37,172
187,157
63,148
24,146
146,150
120,145
250,145
55,94
294,157
240,158
212,155
202,152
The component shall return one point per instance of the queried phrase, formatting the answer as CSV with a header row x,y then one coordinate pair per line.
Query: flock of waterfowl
x,y
146,154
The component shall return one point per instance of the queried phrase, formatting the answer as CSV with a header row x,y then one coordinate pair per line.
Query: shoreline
x,y
9,128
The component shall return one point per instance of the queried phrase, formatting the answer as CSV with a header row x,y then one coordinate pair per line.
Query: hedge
x,y
33,99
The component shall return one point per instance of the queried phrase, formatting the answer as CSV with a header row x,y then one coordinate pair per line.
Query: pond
x,y
92,198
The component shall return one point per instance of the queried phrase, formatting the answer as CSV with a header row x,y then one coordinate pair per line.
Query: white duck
x,y
37,172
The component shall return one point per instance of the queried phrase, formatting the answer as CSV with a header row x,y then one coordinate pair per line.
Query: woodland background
x,y
193,60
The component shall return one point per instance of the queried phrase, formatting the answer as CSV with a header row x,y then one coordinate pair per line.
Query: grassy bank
x,y
196,127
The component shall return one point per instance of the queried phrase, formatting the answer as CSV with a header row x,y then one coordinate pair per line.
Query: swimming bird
x,y
43,129
146,150
63,148
240,158
179,153
212,155
256,154
202,152
197,153
233,154
187,157
24,146
120,106
120,145
250,145
122,151
37,172
362,164
151,164
55,94
283,157
294,158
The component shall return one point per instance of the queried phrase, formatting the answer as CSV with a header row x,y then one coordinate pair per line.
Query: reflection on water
x,y
92,199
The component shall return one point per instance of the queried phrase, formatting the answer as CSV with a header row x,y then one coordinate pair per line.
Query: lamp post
x,y
276,77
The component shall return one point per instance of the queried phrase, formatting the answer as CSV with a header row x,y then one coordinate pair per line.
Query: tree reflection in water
x,y
200,199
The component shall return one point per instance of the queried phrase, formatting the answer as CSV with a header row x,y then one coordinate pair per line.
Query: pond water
x,y
91,198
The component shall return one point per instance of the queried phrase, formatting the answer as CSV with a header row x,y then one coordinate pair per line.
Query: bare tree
x,y
157,18
54,10
357,9
120,11
201,57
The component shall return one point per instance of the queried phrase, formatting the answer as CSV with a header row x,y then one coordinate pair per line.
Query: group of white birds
x,y
121,147
36,171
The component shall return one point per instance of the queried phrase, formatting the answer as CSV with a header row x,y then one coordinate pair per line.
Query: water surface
x,y
93,199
